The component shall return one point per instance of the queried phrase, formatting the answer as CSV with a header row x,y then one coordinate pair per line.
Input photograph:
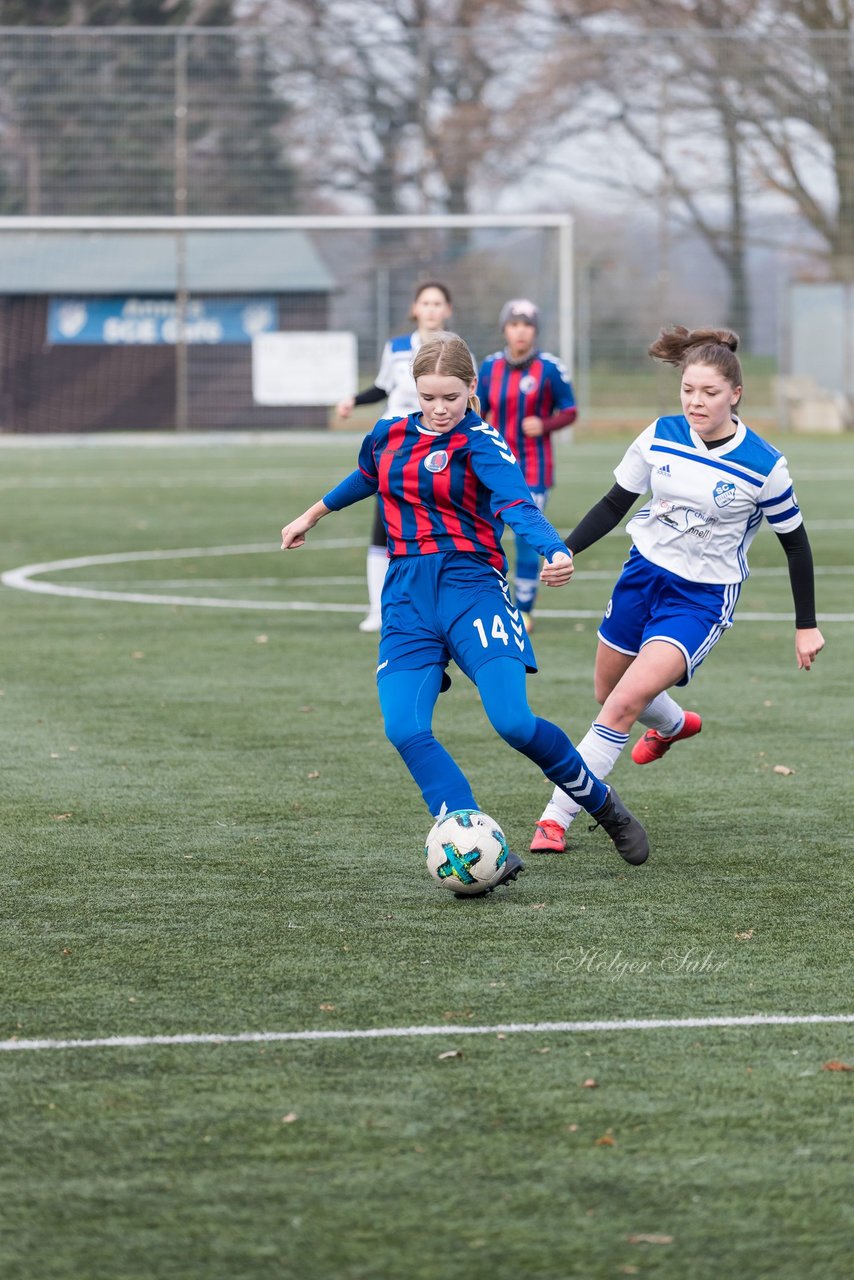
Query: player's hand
x,y
558,571
345,407
809,643
532,426
293,534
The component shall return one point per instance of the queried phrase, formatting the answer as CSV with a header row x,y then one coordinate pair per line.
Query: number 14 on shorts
x,y
498,631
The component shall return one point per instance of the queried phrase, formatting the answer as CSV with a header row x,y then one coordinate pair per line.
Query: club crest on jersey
x,y
436,461
723,493
528,383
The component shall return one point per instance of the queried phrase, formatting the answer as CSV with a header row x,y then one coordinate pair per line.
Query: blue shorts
x,y
448,605
650,603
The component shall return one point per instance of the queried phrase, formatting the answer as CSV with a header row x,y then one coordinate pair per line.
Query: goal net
x,y
156,323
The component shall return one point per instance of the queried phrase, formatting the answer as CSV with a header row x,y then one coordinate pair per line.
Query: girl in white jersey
x,y
711,480
431,311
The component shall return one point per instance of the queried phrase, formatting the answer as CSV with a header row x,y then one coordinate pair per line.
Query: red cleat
x,y
549,837
652,745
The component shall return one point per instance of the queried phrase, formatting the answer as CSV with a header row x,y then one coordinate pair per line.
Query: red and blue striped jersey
x,y
538,388
448,492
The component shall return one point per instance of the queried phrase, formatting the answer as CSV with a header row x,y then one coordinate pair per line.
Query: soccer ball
x,y
466,851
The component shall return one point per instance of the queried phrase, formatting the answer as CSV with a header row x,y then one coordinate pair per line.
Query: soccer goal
x,y
123,323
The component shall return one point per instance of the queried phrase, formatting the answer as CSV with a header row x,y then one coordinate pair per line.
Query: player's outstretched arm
x,y
809,643
557,571
293,534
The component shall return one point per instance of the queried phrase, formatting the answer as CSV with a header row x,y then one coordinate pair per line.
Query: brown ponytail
x,y
716,347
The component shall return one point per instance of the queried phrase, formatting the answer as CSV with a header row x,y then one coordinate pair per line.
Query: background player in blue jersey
x,y
447,485
712,480
526,393
431,311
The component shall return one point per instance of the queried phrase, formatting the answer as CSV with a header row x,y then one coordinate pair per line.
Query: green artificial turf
x,y
205,831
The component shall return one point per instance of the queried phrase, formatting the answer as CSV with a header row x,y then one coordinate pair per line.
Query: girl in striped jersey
x,y
447,484
712,480
527,395
431,311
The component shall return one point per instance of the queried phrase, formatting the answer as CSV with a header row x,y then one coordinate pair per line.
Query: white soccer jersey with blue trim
x,y
706,504
395,375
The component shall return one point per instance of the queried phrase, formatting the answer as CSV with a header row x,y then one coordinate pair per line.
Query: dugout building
x,y
88,325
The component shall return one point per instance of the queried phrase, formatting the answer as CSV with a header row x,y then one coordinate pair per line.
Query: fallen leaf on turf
x,y
546,1050
572,1128
607,1140
450,1053
536,906
451,1014
645,1239
261,639
745,937
501,1036
60,817
327,1008
305,708
837,1066
314,774
590,1084
784,769
289,1118
137,653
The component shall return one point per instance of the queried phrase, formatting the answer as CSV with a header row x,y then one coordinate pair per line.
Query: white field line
x,y
105,440
195,481
22,579
592,575
445,1032
354,580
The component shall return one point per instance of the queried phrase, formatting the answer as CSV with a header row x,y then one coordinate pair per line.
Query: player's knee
x,y
515,725
402,731
623,709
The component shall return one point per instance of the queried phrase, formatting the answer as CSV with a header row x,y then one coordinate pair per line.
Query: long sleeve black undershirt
x,y
617,502
801,575
601,519
370,395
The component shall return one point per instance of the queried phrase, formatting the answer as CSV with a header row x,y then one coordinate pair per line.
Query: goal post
x,y
139,323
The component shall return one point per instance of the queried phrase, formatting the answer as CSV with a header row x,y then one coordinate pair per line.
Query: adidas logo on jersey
x,y
665,470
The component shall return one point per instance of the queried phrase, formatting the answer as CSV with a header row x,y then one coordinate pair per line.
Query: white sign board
x,y
303,368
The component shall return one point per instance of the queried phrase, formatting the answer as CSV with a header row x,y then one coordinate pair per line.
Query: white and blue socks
x,y
664,715
599,749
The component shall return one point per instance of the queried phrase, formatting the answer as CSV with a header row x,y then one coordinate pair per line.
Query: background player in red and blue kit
x,y
527,395
447,484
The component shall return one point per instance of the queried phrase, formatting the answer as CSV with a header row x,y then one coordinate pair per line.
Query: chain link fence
x,y
708,177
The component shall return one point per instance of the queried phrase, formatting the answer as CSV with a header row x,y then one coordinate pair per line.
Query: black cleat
x,y
629,837
512,866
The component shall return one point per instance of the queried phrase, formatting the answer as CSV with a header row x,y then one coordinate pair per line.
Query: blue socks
x,y
552,750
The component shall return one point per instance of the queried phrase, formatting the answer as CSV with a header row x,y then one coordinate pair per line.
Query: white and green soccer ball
x,y
466,851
